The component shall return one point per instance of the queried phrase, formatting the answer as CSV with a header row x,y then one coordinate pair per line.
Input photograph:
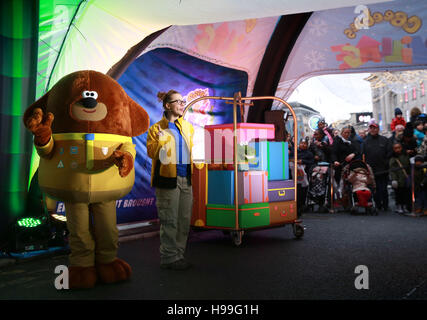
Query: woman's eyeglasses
x,y
181,102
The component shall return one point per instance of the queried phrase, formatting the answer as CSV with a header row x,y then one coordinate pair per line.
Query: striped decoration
x,y
18,40
54,22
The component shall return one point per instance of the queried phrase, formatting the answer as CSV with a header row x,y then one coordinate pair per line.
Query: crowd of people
x,y
388,158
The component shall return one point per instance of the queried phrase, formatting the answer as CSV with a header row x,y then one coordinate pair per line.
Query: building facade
x,y
390,90
303,114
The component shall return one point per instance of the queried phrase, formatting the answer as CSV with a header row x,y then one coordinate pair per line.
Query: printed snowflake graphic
x,y
317,27
315,60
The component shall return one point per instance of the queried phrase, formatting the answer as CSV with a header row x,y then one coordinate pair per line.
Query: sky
x,y
335,96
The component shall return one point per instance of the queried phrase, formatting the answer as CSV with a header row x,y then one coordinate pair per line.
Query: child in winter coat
x,y
398,119
399,175
419,132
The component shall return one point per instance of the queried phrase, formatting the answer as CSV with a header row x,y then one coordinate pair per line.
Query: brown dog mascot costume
x,y
83,129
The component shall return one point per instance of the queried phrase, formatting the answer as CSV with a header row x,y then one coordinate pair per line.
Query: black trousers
x,y
301,196
403,197
381,194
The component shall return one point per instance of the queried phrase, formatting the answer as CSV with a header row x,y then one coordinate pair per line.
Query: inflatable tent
x,y
197,47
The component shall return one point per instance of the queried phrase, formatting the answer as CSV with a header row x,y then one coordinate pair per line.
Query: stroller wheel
x,y
353,210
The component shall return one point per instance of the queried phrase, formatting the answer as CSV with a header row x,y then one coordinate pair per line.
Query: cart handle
x,y
237,100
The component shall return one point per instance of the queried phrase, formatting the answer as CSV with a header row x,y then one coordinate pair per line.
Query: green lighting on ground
x,y
29,222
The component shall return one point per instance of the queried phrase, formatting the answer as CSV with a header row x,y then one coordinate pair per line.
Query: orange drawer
x,y
285,211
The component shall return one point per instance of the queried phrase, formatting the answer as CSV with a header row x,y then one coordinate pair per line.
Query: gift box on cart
x,y
251,156
281,190
261,156
277,160
219,139
221,187
250,215
282,212
252,187
199,186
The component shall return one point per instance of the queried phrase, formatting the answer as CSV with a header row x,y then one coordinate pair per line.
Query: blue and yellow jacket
x,y
162,151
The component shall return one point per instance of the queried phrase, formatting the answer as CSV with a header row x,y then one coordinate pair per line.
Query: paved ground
x,y
269,265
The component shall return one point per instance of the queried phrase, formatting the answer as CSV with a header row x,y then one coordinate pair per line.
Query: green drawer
x,y
250,215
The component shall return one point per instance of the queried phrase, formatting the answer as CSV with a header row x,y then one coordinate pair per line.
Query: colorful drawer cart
x,y
266,195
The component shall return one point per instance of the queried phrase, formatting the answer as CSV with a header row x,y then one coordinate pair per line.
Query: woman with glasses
x,y
169,145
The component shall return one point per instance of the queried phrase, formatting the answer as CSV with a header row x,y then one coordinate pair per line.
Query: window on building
x,y
406,96
414,93
422,89
394,99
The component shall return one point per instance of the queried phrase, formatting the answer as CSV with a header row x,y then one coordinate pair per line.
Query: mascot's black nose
x,y
88,103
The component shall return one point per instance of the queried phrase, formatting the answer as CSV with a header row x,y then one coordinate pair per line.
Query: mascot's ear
x,y
139,118
40,103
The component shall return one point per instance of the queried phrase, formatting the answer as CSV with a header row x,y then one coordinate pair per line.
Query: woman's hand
x,y
336,164
349,157
160,132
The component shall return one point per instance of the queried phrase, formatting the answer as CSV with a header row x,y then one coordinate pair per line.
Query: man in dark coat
x,y
377,151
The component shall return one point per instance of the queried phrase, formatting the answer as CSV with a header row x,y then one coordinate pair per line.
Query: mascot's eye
x,y
90,94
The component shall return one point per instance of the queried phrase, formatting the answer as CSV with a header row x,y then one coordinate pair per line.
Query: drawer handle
x,y
281,193
256,214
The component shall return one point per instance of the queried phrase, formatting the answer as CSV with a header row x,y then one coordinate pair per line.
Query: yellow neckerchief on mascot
x,y
90,138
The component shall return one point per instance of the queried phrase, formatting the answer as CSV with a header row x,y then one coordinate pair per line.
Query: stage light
x,y
29,222
59,217
30,234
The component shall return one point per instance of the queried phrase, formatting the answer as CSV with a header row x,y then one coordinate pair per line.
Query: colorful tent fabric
x,y
96,34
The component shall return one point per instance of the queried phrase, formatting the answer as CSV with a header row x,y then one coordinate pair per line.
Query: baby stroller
x,y
359,181
318,187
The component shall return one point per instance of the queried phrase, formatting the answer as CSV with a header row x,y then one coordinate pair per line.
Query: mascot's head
x,y
92,102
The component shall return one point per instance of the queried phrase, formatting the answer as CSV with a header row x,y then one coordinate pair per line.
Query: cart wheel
x,y
236,236
298,230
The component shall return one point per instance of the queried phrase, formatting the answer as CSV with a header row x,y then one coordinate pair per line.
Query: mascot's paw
x,y
40,125
82,277
115,271
124,161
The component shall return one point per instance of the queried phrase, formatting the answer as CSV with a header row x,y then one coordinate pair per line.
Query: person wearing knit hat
x,y
419,158
373,123
397,134
398,119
